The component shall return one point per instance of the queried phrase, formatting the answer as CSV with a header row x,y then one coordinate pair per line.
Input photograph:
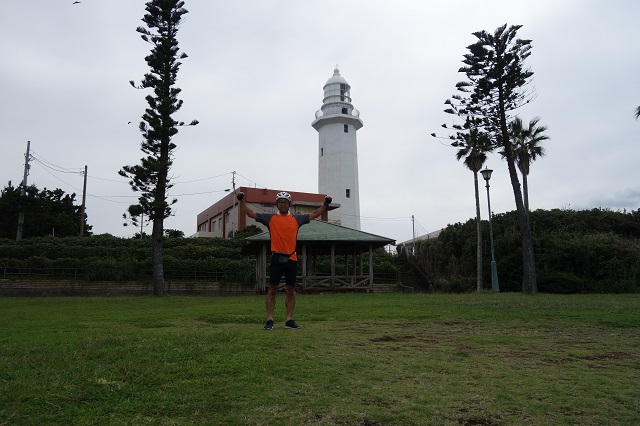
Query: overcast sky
x,y
254,80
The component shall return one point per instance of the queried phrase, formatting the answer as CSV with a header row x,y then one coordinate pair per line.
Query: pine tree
x,y
158,127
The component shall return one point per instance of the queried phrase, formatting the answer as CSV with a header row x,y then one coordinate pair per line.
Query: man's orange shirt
x,y
283,231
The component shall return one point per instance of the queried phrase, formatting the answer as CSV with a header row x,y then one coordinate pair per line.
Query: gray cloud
x,y
254,79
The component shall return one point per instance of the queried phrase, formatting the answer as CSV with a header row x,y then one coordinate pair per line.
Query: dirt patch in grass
x,y
476,421
387,338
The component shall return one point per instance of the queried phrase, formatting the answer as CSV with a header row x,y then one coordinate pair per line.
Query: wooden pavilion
x,y
319,238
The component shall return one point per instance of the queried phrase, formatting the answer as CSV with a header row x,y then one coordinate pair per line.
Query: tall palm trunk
x,y
473,149
525,192
529,284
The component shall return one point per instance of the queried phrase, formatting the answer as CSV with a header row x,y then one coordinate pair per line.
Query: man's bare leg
x,y
271,301
290,300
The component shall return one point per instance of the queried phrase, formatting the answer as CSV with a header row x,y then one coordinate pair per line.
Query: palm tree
x,y
527,148
473,148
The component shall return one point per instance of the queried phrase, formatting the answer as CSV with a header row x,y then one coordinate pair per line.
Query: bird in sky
x,y
76,2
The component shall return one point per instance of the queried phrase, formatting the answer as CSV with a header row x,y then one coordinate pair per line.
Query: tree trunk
x,y
528,261
529,284
479,284
158,220
525,190
156,257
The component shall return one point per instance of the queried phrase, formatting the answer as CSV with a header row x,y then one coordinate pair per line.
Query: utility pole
x,y
27,157
84,199
233,221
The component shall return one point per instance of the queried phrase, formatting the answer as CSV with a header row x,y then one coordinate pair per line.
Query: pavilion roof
x,y
323,235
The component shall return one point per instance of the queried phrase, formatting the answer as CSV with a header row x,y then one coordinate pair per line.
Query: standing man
x,y
283,228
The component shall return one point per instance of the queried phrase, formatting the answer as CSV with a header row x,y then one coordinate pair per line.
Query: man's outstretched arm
x,y
243,206
322,208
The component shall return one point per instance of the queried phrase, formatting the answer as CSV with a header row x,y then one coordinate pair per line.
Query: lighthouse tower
x,y
337,122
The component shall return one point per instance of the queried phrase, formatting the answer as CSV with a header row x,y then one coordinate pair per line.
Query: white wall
x,y
338,171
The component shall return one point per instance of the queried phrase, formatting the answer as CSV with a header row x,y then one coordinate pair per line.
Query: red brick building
x,y
224,217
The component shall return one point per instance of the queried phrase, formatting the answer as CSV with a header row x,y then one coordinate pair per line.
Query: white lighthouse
x,y
337,122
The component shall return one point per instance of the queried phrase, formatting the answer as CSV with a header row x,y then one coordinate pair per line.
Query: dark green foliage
x,y
174,233
46,212
594,251
559,282
454,284
104,257
383,263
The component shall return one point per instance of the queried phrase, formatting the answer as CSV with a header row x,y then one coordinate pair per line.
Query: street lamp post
x,y
495,287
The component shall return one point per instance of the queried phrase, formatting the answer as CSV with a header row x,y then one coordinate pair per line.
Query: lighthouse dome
x,y
336,78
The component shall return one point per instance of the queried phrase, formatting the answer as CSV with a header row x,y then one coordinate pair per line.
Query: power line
x,y
423,228
199,193
109,198
202,179
52,166
109,180
62,169
255,183
66,183
399,219
106,199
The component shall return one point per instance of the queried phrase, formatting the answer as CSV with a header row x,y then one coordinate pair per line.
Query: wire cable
x,y
48,166
202,179
54,167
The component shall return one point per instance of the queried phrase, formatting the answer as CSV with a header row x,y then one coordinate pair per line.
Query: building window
x,y
346,128
321,152
344,111
348,193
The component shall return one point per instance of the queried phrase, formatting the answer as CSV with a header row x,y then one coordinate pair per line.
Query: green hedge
x,y
590,251
105,257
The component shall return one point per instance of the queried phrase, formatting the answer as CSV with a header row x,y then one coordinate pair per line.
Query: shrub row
x,y
592,251
105,257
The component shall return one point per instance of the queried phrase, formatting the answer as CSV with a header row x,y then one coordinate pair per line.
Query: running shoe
x,y
291,324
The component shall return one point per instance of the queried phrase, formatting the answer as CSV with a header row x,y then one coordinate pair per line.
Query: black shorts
x,y
277,270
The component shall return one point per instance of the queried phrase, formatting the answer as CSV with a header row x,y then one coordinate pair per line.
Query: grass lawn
x,y
359,359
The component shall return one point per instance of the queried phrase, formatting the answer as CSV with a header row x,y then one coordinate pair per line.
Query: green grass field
x,y
359,359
